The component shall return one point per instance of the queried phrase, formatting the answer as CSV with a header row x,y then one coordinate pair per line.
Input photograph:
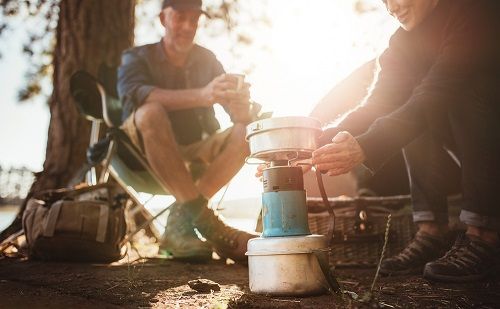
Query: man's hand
x,y
240,109
240,113
222,90
339,157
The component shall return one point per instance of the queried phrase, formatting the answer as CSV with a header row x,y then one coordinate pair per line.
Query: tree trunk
x,y
89,33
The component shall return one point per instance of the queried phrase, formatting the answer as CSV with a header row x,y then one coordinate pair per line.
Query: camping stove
x,y
284,210
286,259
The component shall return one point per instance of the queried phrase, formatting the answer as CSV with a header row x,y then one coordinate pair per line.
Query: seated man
x,y
437,98
168,90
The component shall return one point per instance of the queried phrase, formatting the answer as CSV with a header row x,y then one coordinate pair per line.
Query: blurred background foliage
x,y
236,20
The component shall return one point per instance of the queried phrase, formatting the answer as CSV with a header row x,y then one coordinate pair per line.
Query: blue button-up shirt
x,y
147,67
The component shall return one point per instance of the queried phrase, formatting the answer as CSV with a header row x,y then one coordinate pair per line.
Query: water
x,y
241,214
7,214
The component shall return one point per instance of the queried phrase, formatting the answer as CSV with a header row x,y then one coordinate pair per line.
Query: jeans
x,y
460,152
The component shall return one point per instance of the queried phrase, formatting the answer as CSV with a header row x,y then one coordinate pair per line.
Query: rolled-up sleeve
x,y
134,82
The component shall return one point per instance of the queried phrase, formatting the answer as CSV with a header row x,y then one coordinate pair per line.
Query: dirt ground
x,y
161,283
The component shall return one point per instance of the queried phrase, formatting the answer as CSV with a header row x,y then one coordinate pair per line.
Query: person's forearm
x,y
177,99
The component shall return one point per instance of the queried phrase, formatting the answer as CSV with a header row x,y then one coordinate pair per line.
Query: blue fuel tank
x,y
284,213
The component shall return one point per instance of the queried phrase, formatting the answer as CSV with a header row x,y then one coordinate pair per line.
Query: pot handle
x,y
322,258
328,206
257,127
248,160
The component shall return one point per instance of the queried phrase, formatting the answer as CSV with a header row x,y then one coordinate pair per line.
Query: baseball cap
x,y
184,5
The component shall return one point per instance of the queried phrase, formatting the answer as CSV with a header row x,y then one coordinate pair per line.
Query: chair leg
x,y
146,224
91,177
103,178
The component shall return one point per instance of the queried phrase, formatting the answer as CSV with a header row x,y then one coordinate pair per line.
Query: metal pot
x,y
287,266
283,138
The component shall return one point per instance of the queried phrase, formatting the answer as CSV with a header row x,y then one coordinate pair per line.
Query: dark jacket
x,y
147,67
423,72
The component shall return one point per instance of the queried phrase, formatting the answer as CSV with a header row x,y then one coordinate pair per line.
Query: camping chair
x,y
116,154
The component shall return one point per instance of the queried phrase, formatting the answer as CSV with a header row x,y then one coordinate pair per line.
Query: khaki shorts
x,y
204,151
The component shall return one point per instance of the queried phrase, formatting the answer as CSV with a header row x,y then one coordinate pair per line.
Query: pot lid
x,y
283,122
286,245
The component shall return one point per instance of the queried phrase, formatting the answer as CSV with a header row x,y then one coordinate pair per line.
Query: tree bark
x,y
89,33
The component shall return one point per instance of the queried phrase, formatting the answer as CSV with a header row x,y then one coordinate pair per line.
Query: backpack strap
x,y
102,225
50,224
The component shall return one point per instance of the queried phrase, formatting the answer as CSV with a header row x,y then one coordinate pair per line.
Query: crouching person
x,y
436,98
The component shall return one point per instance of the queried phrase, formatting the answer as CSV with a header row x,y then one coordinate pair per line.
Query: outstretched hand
x,y
340,156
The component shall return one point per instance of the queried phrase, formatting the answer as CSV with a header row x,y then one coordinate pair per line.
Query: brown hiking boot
x,y
422,249
227,241
469,260
181,241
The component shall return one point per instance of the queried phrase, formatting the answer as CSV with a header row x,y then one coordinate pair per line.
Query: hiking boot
x,y
181,241
421,250
470,259
228,242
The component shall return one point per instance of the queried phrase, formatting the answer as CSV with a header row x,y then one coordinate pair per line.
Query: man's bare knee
x,y
151,117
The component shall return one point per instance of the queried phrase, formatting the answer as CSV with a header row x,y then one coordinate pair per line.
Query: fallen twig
x,y
9,241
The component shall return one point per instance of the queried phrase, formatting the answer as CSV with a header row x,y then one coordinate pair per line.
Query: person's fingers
x,y
238,108
220,77
306,168
241,97
338,172
341,137
343,156
244,93
242,103
232,96
328,148
224,86
219,94
229,77
226,96
334,165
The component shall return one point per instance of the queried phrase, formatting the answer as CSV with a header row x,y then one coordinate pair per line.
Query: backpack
x,y
79,225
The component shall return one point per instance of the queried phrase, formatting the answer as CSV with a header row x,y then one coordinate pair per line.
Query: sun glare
x,y
304,52
307,50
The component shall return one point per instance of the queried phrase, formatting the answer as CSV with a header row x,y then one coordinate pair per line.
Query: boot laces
x,y
223,233
465,254
418,248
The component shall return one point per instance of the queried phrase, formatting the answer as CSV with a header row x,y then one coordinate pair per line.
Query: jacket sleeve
x,y
134,81
469,49
392,86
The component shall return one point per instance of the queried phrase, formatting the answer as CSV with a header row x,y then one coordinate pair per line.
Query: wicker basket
x,y
360,227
